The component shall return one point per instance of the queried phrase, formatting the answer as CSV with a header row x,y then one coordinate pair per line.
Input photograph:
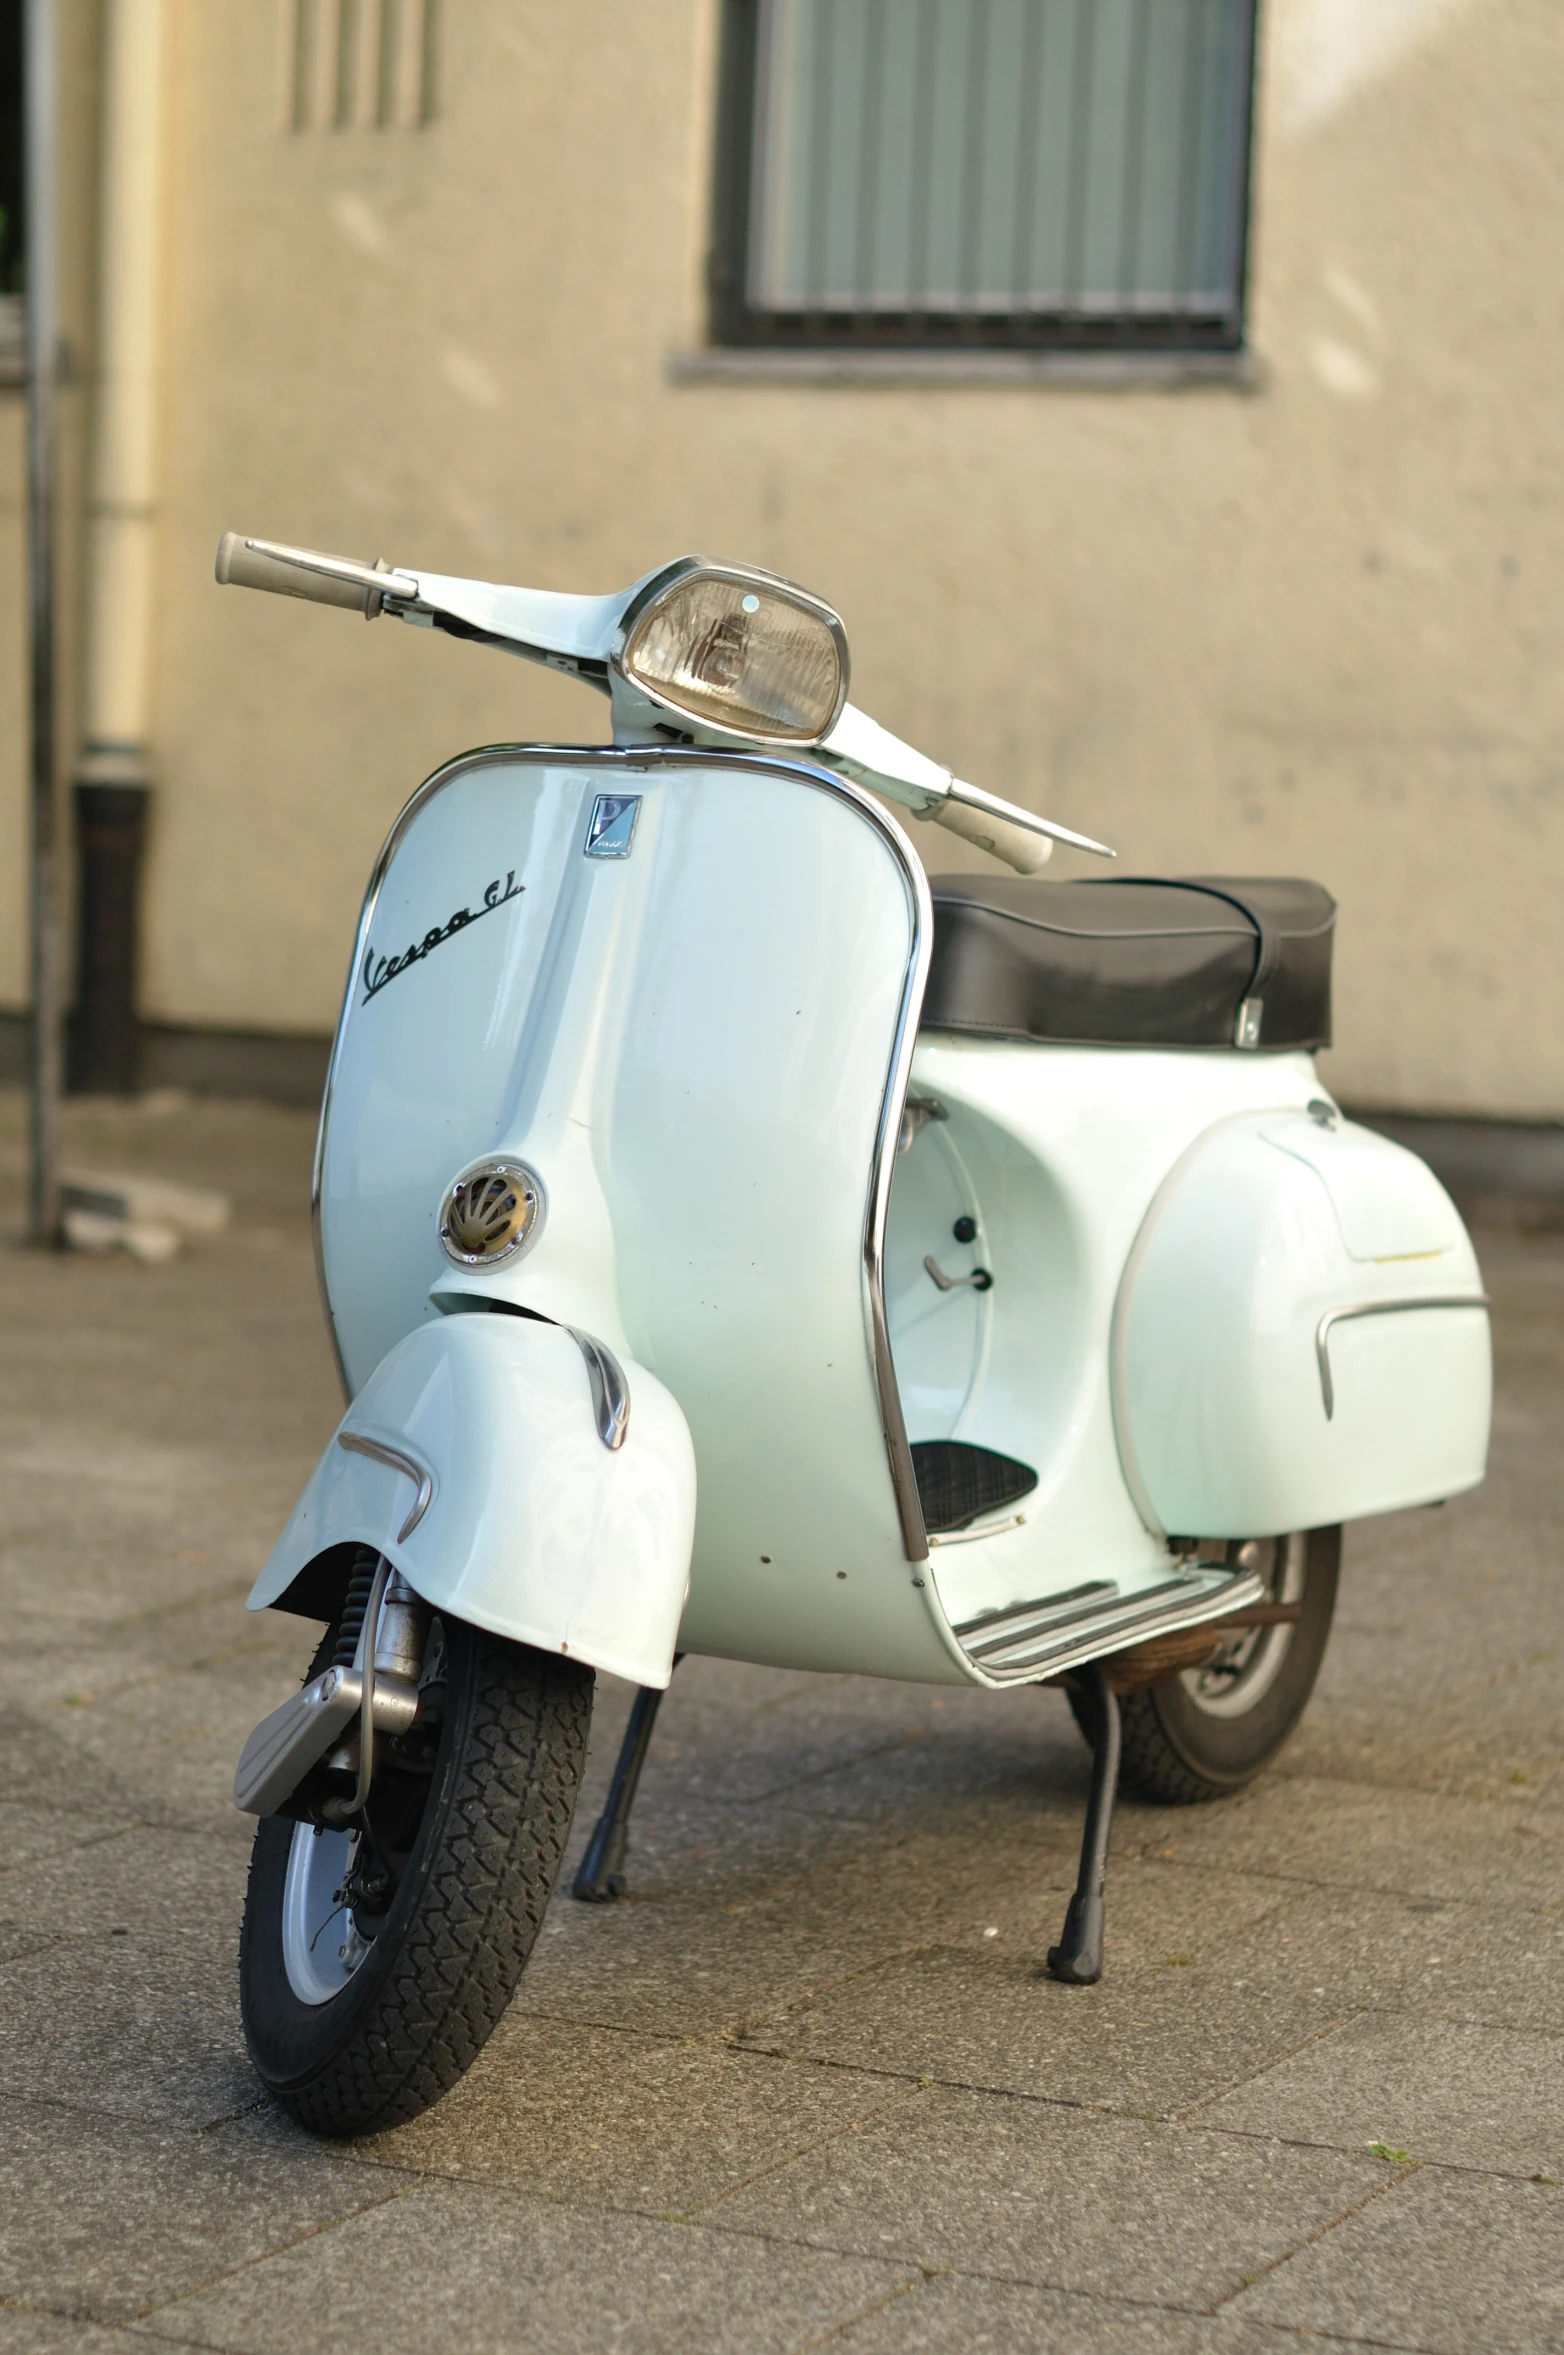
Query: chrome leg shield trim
x,y
610,1390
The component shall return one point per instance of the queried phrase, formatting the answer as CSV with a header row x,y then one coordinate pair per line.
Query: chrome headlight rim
x,y
517,1224
657,586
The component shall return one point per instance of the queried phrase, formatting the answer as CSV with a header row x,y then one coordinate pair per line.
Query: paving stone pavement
x,y
804,2088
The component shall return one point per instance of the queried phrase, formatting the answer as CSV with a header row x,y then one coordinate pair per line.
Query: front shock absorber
x,y
361,1582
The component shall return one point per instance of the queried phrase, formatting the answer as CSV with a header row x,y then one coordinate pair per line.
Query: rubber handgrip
x,y
1017,846
249,564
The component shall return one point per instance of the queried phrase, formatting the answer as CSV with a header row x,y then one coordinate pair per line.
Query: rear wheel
x,y
1208,1732
378,1957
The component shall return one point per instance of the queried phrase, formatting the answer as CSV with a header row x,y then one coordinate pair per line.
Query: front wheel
x,y
376,1961
1208,1732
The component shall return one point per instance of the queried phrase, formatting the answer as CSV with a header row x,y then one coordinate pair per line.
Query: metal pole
x,y
113,783
42,371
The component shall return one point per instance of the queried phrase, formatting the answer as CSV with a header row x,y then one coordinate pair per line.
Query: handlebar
x,y
304,572
1016,846
861,749
575,634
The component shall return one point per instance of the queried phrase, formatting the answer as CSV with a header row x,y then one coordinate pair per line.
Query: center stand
x,y
601,1876
1077,1959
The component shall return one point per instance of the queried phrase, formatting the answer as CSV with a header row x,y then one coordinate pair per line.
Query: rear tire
x,y
357,2021
1209,1732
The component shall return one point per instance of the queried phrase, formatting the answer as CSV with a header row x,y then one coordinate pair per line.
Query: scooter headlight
x,y
739,651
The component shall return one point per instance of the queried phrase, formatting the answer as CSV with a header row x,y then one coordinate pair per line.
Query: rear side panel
x,y
1056,1153
1301,1336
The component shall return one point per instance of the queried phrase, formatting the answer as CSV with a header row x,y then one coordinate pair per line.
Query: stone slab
x,y
1149,2044
33,1832
1055,2197
1428,1956
104,2219
717,1959
133,2026
692,1967
33,2331
957,2314
1460,2093
1410,1843
634,2122
493,2271
173,1889
1452,2264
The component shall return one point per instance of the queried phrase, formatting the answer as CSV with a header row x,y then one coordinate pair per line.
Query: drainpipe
x,y
113,779
43,368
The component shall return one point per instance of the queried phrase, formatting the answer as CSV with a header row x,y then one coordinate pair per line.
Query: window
x,y
11,224
928,173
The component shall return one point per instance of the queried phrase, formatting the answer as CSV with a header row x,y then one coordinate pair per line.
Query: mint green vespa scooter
x,y
734,1244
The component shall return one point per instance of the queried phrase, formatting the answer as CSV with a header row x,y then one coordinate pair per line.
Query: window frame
x,y
735,323
13,178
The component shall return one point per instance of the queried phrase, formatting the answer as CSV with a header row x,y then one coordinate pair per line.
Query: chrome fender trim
x,y
381,1451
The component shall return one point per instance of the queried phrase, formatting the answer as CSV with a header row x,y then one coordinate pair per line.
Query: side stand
x,y
602,1874
1077,1959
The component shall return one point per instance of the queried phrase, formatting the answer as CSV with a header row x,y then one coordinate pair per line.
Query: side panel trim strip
x,y
1377,1308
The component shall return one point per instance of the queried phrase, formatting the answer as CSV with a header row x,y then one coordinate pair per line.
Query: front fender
x,y
506,1508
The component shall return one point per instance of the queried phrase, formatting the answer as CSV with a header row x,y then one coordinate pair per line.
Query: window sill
x,y
1073,371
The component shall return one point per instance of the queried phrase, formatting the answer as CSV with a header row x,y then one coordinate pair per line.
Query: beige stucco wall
x,y
1308,627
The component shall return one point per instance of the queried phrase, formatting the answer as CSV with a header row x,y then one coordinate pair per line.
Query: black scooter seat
x,y
1196,961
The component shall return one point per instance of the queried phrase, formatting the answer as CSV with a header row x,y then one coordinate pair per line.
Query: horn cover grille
x,y
491,1212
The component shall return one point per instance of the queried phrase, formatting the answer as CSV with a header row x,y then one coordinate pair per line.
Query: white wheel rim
x,y
1245,1670
321,1947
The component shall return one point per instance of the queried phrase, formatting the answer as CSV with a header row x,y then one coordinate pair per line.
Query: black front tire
x,y
1210,1732
482,1850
